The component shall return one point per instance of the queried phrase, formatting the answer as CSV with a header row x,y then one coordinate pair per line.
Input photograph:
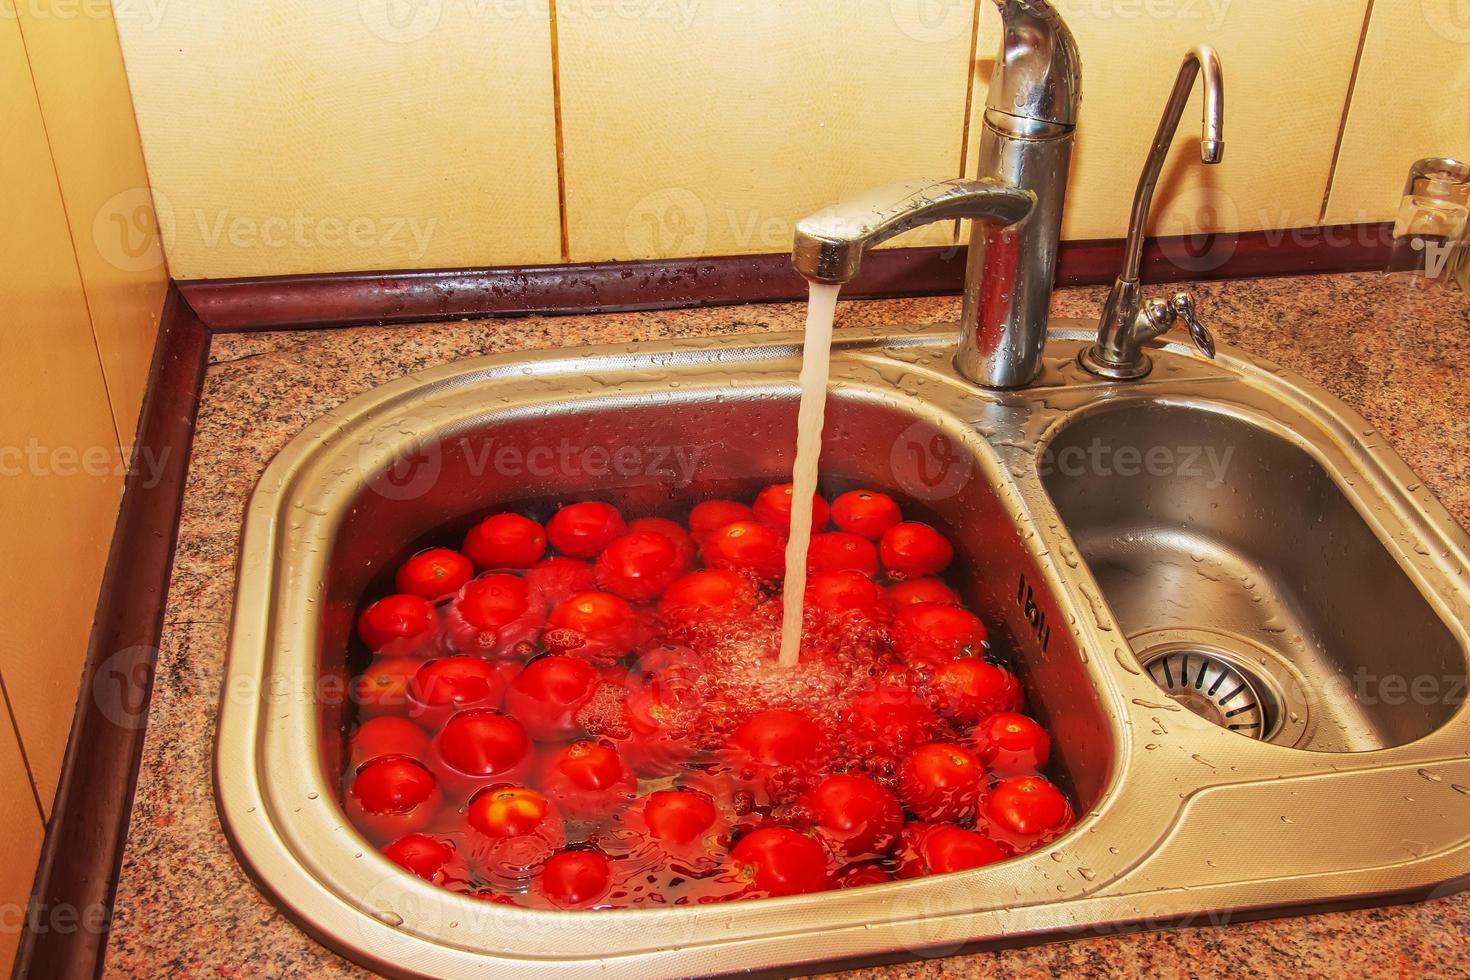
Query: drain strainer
x,y
1213,687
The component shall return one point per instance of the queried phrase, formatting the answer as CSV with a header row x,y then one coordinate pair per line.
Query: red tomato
x,y
660,733
680,820
434,574
557,579
505,541
546,696
431,858
844,591
399,625
888,720
596,626
936,849
854,815
639,565
392,797
1025,811
442,687
941,782
773,508
512,831
833,551
1012,744
379,737
779,861
969,690
746,546
674,531
710,594
583,530
865,873
588,780
710,516
480,748
920,590
930,635
496,615
574,880
776,753
382,689
865,512
912,550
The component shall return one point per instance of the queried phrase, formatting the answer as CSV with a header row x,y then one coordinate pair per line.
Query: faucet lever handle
x,y
1204,341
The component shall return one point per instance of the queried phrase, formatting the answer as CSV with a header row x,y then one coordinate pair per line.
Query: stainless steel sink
x,y
1301,559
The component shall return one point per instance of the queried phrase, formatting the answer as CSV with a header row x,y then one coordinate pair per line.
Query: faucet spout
x,y
830,244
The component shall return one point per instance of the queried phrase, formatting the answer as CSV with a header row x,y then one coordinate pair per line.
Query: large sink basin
x,y
1309,563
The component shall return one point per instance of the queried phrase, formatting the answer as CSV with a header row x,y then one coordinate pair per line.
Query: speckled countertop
x,y
1398,354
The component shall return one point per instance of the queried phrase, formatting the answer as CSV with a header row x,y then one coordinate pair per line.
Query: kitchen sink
x,y
1141,551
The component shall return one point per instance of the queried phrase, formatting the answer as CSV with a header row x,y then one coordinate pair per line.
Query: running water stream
x,y
816,363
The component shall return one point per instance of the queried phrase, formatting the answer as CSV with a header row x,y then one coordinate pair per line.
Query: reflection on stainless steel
x,y
1128,322
1025,147
1296,549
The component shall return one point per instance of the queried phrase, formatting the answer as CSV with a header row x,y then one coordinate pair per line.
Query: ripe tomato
x,y
779,861
392,797
930,635
480,748
557,579
941,781
888,720
639,565
913,550
660,732
382,689
596,626
777,753
512,831
843,591
920,590
773,508
680,820
546,696
710,516
969,690
865,512
399,625
379,737
936,849
587,780
1025,811
442,687
833,551
864,873
578,879
505,541
434,574
708,595
583,530
674,531
496,615
746,546
431,858
854,815
1012,744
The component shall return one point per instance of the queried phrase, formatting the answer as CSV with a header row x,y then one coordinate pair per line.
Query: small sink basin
x,y
1229,555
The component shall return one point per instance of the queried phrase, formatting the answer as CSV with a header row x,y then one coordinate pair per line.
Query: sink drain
x,y
1213,687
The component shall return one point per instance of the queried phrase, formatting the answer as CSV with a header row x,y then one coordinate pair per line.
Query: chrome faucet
x,y
1128,321
1015,203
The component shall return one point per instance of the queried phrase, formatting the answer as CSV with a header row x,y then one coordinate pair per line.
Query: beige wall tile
x,y
78,71
1412,100
711,131
59,479
1287,68
347,134
20,845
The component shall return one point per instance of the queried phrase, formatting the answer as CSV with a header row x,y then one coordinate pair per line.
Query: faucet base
x,y
1091,361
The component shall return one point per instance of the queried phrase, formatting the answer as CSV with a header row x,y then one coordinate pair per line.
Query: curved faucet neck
x,y
1037,83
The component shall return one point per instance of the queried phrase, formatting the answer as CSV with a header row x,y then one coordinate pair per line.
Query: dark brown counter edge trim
x,y
288,302
82,854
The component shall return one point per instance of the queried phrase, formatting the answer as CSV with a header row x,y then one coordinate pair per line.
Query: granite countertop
x,y
1396,352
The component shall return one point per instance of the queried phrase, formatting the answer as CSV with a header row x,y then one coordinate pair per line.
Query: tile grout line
x,y
1347,107
21,746
561,162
